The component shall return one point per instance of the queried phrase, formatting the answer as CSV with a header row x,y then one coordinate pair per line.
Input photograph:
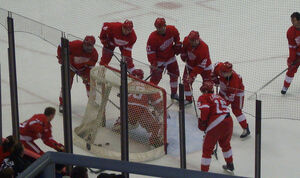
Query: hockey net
x,y
99,132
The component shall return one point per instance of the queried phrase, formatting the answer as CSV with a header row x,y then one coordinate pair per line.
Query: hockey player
x,y
293,61
116,34
162,46
139,112
217,125
39,126
232,90
195,54
83,56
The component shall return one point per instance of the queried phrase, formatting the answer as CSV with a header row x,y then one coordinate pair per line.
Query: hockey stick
x,y
216,147
255,93
148,77
215,151
191,88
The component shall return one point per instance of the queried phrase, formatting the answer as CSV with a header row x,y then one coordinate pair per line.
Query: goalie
x,y
139,112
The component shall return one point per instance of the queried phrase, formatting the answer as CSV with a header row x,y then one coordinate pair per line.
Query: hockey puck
x,y
88,146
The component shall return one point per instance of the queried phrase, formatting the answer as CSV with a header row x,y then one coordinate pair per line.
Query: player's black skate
x,y
175,97
284,90
61,108
245,133
228,168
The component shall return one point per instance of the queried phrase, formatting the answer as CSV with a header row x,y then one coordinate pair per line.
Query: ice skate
x,y
175,96
284,90
229,168
245,133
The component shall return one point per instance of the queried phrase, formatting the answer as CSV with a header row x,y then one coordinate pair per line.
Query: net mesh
x,y
100,128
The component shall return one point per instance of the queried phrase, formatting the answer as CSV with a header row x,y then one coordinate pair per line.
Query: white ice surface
x,y
250,34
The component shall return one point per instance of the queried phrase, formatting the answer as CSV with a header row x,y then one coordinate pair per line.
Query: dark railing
x,y
46,164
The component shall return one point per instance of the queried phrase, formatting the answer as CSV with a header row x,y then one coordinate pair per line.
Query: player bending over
x,y
195,54
232,90
39,126
83,56
117,34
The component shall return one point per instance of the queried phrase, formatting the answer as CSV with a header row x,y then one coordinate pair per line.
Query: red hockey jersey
x,y
144,100
111,34
293,36
213,111
229,87
39,127
160,47
197,59
79,59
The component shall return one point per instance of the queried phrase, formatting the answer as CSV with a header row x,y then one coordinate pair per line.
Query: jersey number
x,y
221,106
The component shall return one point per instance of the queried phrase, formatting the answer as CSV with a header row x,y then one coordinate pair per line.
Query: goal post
x,y
99,132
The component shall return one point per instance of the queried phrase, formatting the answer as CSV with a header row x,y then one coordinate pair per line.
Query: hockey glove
x,y
202,125
59,147
184,57
59,59
189,79
177,48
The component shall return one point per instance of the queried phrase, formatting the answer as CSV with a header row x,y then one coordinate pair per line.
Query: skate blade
x,y
229,172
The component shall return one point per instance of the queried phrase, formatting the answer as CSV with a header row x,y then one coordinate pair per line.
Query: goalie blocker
x,y
101,123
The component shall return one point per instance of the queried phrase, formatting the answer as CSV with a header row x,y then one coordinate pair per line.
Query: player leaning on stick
x,y
293,61
217,124
162,46
83,56
117,34
195,54
232,90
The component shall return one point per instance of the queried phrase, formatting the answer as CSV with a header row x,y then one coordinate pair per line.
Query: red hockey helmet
x,y
207,86
89,40
160,22
194,35
226,67
128,25
139,73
